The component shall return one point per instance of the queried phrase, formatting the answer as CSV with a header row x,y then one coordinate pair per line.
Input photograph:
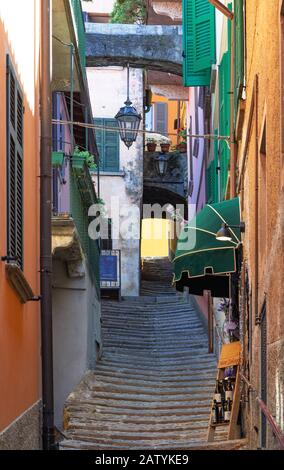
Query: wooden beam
x,y
222,8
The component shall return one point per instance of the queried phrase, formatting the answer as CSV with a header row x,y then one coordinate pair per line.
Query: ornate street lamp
x,y
128,119
161,164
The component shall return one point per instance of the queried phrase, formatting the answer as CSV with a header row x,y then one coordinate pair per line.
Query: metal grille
x,y
79,212
263,371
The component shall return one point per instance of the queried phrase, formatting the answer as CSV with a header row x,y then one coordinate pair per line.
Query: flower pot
x,y
78,161
165,147
182,148
151,147
57,158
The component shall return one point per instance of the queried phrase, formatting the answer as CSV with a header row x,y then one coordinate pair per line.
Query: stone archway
x,y
153,47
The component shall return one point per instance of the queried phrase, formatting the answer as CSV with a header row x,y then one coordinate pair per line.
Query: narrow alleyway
x,y
153,385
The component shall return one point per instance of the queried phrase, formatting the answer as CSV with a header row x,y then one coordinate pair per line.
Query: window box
x,y
57,158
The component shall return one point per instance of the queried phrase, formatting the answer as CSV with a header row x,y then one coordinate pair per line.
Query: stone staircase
x,y
153,385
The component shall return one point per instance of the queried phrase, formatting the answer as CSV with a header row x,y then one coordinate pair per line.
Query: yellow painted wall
x,y
155,238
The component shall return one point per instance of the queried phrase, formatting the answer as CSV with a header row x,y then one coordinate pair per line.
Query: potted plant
x,y
182,145
57,158
151,144
80,157
165,144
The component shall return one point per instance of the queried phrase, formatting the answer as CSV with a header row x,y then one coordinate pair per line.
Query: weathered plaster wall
x,y
108,94
263,34
76,332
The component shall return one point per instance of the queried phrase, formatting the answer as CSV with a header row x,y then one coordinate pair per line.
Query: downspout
x,y
45,229
256,234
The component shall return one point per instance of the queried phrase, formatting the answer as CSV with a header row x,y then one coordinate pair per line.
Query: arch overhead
x,y
154,47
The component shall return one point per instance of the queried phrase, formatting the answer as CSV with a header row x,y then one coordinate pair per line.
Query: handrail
x,y
276,430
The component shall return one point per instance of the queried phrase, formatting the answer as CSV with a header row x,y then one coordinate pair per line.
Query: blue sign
x,y
108,268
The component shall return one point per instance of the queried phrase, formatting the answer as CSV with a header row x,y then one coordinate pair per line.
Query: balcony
x,y
68,28
70,240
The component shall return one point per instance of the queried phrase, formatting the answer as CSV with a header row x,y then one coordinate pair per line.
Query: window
x,y
262,203
108,144
15,137
161,118
199,49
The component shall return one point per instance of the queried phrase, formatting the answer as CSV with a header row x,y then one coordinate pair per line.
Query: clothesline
x,y
140,131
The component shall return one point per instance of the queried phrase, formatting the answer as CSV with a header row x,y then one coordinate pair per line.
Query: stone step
x,y
153,385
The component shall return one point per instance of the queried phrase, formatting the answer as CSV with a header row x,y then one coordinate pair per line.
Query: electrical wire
x,y
113,129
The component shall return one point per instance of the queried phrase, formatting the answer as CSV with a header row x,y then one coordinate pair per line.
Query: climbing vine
x,y
129,11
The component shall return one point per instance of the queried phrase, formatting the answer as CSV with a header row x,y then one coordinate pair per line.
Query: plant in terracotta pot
x,y
165,144
151,144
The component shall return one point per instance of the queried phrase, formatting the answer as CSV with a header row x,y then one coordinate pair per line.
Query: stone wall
x,y
108,94
25,432
76,331
263,34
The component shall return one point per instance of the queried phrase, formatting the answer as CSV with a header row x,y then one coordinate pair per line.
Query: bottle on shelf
x,y
215,418
220,412
227,410
228,390
217,394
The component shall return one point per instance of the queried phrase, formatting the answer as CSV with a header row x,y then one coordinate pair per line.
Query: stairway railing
x,y
264,409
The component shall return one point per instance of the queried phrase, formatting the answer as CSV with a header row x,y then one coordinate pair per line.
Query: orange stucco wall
x,y
172,114
20,324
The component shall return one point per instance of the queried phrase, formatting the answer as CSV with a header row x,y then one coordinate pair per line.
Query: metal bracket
x,y
9,258
36,298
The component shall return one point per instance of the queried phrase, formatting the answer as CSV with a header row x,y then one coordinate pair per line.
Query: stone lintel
x,y
66,245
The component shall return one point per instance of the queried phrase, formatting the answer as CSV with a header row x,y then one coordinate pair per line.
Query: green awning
x,y
201,261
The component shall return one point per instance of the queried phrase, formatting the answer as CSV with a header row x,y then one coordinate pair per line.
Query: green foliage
x,y
89,158
129,12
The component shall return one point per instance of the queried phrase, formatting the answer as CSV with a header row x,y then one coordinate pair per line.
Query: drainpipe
x,y
256,217
45,229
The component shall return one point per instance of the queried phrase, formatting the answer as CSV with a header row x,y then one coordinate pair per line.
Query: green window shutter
x,y
239,49
99,139
204,49
108,144
198,15
15,126
111,147
224,118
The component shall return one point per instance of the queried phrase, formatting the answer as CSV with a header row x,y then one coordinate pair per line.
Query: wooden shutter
x,y
239,49
111,147
108,144
198,16
203,35
161,118
224,117
99,140
15,136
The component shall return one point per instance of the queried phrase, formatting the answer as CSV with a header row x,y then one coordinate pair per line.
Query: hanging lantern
x,y
161,164
128,120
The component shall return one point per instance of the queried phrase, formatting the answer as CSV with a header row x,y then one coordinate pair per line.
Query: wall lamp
x,y
224,234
